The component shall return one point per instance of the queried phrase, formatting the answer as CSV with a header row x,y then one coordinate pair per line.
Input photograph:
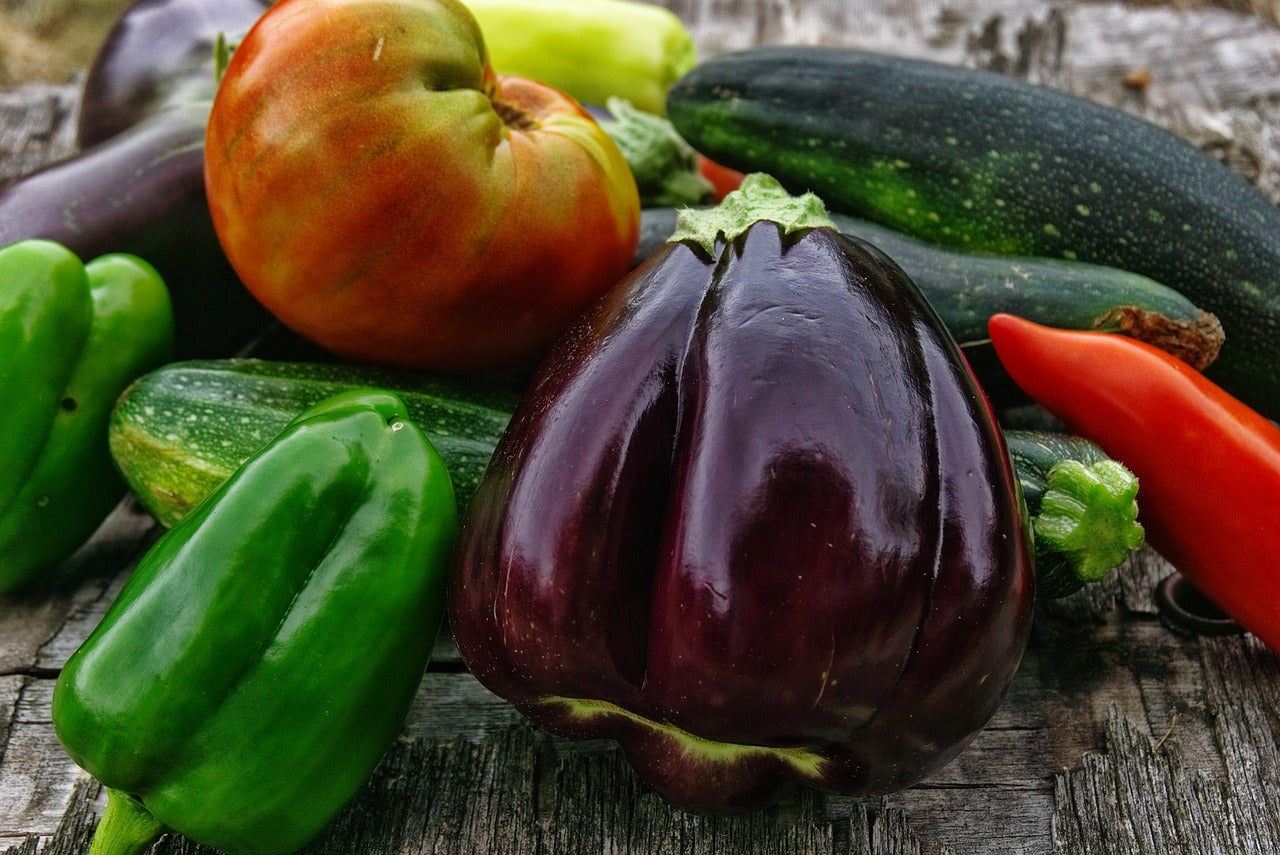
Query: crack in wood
x,y
35,672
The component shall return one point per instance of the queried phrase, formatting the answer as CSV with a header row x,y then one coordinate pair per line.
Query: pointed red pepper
x,y
1209,465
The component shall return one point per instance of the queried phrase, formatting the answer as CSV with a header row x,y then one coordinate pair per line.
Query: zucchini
x,y
986,162
178,432
968,288
1082,506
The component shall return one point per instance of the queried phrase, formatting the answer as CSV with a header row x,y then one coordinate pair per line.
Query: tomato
x,y
387,195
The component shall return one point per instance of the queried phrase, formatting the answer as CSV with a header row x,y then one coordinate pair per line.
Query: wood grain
x,y
1118,734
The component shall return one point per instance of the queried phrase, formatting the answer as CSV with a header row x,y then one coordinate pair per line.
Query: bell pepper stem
x,y
127,828
1087,524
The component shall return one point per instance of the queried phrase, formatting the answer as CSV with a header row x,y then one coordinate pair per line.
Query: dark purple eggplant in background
x,y
136,183
158,54
754,520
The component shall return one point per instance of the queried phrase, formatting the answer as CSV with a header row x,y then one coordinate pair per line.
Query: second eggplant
x,y
136,184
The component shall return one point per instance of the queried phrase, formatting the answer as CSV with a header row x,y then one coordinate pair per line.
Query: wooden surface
x,y
1118,734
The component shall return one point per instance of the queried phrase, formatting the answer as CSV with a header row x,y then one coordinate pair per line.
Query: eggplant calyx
x,y
807,764
760,197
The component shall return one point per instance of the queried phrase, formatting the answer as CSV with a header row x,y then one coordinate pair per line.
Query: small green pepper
x,y
263,655
72,337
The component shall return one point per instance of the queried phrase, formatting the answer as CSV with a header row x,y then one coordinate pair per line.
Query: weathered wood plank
x,y
37,126
1139,798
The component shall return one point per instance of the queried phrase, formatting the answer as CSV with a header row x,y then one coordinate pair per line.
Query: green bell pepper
x,y
72,337
264,653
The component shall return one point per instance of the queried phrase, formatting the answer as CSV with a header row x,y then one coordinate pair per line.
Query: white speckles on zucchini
x,y
179,432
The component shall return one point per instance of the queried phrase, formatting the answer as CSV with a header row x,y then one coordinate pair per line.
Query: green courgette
x,y
968,288
180,431
986,162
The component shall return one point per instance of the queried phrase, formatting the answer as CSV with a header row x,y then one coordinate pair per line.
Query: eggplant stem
x,y
759,198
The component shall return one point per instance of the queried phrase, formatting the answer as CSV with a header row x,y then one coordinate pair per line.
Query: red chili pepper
x,y
723,179
1207,465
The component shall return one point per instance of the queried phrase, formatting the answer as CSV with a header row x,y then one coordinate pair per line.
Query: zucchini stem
x,y
1086,526
664,165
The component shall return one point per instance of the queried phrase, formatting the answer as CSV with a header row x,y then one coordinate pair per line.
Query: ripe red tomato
x,y
388,196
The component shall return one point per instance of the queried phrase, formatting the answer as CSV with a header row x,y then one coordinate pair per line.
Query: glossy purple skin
x,y
157,53
761,500
137,184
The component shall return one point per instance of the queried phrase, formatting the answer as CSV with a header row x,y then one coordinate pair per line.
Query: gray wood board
x,y
1118,734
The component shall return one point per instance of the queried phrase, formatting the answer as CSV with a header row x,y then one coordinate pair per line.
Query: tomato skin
x,y
388,196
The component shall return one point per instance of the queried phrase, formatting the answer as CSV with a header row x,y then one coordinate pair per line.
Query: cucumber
x,y
1082,506
178,432
985,162
968,288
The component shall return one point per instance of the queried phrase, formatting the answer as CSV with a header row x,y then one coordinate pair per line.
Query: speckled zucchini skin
x,y
978,160
177,433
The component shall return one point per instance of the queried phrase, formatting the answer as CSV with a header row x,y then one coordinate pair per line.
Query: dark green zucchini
x,y
985,162
968,288
181,430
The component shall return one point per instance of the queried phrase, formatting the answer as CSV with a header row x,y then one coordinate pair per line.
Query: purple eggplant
x,y
754,520
159,54
136,183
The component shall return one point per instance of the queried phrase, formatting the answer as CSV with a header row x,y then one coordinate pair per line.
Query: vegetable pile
x,y
682,387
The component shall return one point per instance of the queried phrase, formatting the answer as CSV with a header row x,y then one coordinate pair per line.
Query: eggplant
x,y
158,54
754,520
136,182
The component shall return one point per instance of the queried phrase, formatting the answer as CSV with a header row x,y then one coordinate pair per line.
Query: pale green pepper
x,y
590,49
